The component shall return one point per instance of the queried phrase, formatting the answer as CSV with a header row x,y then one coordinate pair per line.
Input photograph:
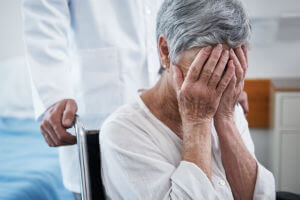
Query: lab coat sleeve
x,y
136,169
46,28
265,183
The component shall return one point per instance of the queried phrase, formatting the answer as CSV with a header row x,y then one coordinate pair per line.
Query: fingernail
x,y
207,49
219,46
226,52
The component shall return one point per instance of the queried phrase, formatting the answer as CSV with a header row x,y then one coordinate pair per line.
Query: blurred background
x,y
273,86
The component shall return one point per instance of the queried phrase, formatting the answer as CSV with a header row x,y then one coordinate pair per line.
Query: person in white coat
x,y
90,54
88,57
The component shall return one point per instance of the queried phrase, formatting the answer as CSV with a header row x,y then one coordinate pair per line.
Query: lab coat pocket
x,y
100,82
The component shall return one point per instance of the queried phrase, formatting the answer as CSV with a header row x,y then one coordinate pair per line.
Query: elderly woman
x,y
186,138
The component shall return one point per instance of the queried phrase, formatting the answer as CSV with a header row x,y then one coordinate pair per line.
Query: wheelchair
x,y
90,165
89,158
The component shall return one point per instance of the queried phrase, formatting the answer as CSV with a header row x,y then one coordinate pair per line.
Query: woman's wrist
x,y
228,117
197,145
194,129
196,122
223,123
187,123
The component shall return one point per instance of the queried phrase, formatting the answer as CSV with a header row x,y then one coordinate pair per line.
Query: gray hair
x,y
199,23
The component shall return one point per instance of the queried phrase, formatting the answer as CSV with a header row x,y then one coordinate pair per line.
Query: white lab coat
x,y
98,52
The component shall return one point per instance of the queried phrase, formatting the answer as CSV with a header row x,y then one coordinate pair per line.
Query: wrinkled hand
x,y
230,97
243,100
199,94
57,118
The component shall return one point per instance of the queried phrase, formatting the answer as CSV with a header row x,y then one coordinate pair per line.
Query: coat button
x,y
221,182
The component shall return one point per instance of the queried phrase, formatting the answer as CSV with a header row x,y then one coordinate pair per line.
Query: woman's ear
x,y
164,52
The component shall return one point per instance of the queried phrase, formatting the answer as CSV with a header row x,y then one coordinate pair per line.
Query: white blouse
x,y
141,159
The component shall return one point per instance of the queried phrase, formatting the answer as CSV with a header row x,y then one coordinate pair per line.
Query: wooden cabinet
x,y
258,91
285,162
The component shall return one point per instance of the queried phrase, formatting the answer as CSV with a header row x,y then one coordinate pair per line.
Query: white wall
x,y
275,58
15,91
11,43
262,142
271,8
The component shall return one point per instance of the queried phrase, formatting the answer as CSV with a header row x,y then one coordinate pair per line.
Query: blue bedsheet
x,y
29,169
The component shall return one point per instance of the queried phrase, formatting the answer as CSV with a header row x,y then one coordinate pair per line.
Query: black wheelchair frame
x,y
90,162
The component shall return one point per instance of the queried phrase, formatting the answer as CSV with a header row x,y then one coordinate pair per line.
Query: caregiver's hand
x,y
199,94
230,97
57,118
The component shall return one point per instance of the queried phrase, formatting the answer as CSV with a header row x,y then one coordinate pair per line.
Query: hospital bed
x,y
29,169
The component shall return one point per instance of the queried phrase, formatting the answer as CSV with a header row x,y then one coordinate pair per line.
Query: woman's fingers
x,y
217,75
232,83
211,64
245,53
178,77
226,78
197,65
242,58
239,72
